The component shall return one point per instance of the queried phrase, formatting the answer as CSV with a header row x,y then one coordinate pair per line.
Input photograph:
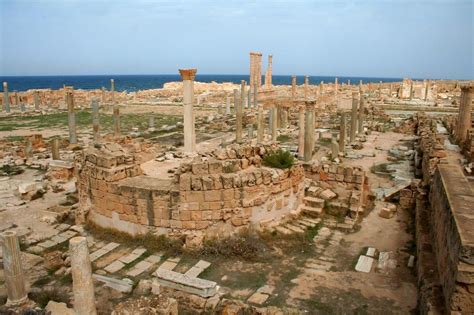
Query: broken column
x,y
334,148
293,87
112,90
103,95
13,269
227,105
268,74
342,133
81,270
427,88
71,117
309,131
37,100
260,125
336,87
411,89
353,117
6,98
249,97
274,123
464,116
188,76
95,121
116,113
306,86
361,114
55,149
301,122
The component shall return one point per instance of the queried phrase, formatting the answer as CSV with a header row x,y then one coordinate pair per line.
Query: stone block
x,y
178,281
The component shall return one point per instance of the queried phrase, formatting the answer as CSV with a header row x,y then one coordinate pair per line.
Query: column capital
x,y
5,83
188,74
310,105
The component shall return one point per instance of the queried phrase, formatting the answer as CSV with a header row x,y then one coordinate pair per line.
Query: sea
x,y
133,83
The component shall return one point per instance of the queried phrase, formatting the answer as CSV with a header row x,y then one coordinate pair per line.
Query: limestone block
x,y
200,168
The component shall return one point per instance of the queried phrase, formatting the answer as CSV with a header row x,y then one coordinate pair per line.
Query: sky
x,y
373,38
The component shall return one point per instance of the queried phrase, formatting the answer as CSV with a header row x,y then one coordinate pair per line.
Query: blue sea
x,y
132,83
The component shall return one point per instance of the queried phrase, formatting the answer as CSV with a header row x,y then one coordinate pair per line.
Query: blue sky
x,y
421,39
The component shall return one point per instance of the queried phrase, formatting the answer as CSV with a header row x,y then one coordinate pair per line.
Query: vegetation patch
x,y
279,159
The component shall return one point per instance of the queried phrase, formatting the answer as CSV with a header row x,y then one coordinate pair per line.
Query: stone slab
x,y
140,268
258,298
179,281
116,284
364,264
114,267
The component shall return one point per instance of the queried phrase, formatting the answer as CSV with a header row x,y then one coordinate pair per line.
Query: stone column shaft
x,y
6,97
353,117
95,120
309,131
71,117
260,125
188,76
465,113
238,117
361,114
13,269
259,70
81,270
55,149
37,100
249,97
306,86
252,69
227,105
411,89
112,90
255,96
301,123
427,87
342,133
268,74
274,112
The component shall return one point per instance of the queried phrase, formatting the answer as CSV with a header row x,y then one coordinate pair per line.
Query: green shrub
x,y
279,159
283,138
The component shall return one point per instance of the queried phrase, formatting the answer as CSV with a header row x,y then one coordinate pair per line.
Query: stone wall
x,y
210,195
451,200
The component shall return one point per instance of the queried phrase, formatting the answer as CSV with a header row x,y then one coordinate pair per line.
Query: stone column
x,y
242,94
112,90
336,87
301,123
380,89
17,98
334,148
274,123
411,89
391,89
37,100
353,117
6,97
321,88
427,88
306,86
268,74
400,91
55,149
342,133
151,122
71,117
465,114
309,131
13,269
104,100
260,125
252,68
116,121
81,270
284,118
259,70
227,105
238,117
250,132
95,120
188,76
249,97
255,96
361,114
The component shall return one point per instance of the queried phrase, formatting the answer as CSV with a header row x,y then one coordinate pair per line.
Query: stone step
x,y
134,255
305,223
298,224
197,269
364,264
282,230
103,251
311,220
313,202
294,228
311,211
170,263
144,265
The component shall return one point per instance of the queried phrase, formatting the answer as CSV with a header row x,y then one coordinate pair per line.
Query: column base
x,y
19,302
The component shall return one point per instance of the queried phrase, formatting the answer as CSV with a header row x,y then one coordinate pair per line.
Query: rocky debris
x,y
58,308
152,305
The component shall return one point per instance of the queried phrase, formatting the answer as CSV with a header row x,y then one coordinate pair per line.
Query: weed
x,y
279,159
283,138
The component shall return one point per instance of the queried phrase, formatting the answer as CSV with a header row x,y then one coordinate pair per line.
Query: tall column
x,y
380,89
71,117
342,133
255,95
103,95
353,117
301,123
268,74
188,76
116,119
81,270
427,88
238,117
284,117
259,70
293,87
227,105
112,90
37,100
361,114
95,120
400,91
14,276
242,94
391,89
55,149
239,113
309,131
17,98
252,68
306,86
274,123
336,87
260,125
321,86
6,98
465,114
411,89
249,97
